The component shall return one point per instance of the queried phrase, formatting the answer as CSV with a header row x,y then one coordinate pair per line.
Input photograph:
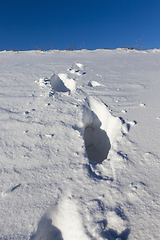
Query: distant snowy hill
x,y
79,145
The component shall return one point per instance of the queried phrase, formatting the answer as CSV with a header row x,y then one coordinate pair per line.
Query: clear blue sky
x,y
89,23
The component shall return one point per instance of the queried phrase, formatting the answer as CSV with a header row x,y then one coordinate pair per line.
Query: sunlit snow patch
x,y
99,130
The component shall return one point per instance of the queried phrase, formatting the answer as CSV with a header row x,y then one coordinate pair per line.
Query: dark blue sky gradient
x,y
91,24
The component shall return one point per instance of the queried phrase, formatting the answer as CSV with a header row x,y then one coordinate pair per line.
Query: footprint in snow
x,y
57,83
137,190
61,83
62,222
117,226
100,129
77,68
114,226
126,125
103,171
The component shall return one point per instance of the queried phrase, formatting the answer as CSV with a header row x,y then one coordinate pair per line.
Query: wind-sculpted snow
x,y
79,145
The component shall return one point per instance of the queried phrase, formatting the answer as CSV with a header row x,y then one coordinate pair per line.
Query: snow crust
x,y
79,145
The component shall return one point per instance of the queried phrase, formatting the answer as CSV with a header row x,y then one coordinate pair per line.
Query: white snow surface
x,y
80,145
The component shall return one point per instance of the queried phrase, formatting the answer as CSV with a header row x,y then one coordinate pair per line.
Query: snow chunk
x,y
94,84
77,68
68,82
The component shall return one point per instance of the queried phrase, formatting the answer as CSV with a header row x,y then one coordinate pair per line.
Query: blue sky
x,y
91,24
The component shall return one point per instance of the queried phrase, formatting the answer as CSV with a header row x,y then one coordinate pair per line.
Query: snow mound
x,y
100,130
94,84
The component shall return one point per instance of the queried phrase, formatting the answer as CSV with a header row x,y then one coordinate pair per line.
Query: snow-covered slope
x,y
79,145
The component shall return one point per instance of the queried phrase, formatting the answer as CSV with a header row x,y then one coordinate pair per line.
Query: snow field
x,y
99,130
79,147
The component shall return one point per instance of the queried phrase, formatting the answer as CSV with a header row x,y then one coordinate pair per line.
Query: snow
x,y
79,145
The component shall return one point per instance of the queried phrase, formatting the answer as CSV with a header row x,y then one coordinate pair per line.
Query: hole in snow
x,y
100,130
97,143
